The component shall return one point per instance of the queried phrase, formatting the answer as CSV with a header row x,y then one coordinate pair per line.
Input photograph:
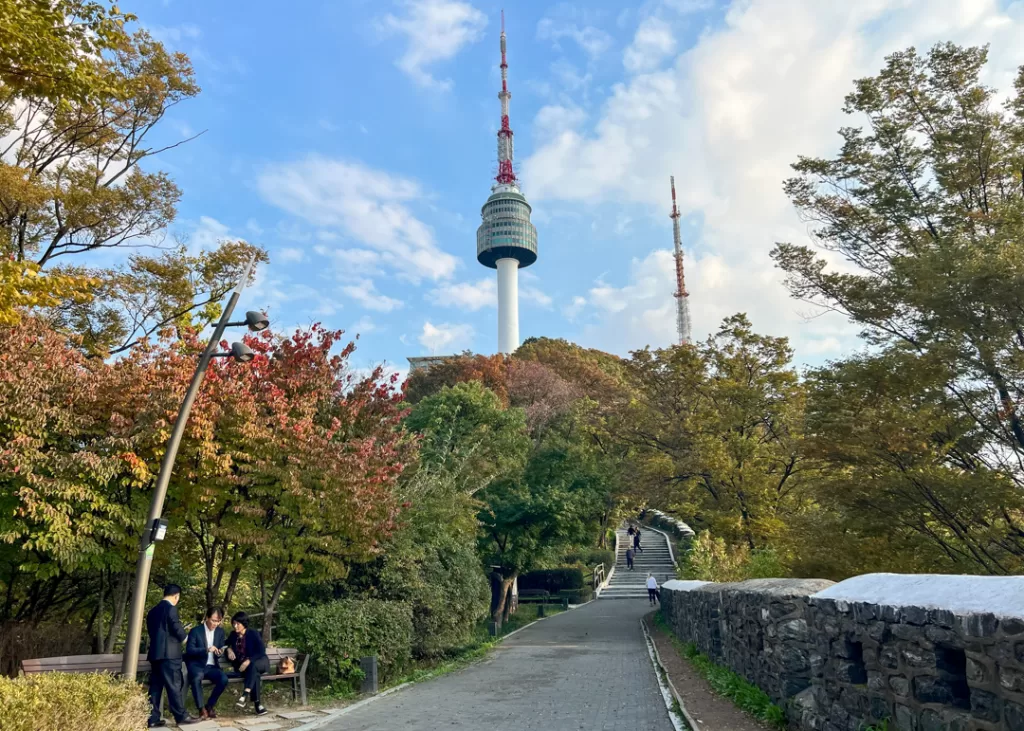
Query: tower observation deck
x,y
506,239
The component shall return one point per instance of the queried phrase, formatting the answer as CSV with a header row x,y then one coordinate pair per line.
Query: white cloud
x,y
652,43
206,234
290,254
365,293
362,326
482,293
253,227
436,30
573,310
642,311
174,35
470,296
445,338
529,293
728,125
365,204
593,41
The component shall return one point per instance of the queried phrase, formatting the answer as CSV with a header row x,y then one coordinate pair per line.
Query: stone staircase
x,y
656,559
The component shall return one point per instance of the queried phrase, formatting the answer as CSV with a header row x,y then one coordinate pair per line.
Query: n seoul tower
x,y
506,240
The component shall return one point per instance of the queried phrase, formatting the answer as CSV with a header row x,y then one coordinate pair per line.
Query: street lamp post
x,y
156,527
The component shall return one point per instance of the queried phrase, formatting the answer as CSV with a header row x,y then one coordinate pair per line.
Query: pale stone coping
x,y
960,594
678,585
683,527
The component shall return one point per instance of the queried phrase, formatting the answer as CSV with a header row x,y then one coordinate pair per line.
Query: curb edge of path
x,y
652,650
334,714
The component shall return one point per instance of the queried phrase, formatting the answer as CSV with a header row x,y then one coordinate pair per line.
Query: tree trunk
x,y
229,593
507,610
120,599
500,589
98,637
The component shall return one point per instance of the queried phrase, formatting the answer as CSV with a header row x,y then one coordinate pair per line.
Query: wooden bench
x,y
112,664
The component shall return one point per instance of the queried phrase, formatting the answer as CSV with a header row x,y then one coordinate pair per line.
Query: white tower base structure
x,y
508,305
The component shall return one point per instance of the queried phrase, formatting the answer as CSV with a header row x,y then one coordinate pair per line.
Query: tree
x,y
490,370
54,50
926,205
718,431
75,119
297,479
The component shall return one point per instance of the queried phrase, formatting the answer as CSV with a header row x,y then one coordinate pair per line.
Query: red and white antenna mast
x,y
681,295
506,175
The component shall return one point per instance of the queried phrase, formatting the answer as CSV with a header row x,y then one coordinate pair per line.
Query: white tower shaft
x,y
508,306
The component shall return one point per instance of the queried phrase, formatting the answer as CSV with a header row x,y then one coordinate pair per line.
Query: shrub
x,y
710,559
451,597
577,596
552,580
94,701
591,558
338,633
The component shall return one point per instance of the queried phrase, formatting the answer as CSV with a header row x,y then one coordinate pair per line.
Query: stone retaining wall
x,y
923,652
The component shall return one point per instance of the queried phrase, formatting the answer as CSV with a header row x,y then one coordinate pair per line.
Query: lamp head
x,y
242,352
257,320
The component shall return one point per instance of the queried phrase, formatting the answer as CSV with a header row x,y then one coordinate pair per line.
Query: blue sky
x,y
355,140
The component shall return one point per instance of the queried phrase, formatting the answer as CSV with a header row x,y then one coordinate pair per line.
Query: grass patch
x,y
725,682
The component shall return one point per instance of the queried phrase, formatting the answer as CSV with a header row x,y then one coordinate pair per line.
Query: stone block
x,y
879,708
905,718
890,614
793,629
876,682
932,689
297,715
864,612
977,672
900,685
1012,680
939,635
917,657
942,618
1012,626
1014,717
979,625
889,658
906,632
1018,652
878,631
986,706
914,615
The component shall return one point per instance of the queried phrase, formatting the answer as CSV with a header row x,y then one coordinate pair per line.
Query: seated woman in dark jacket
x,y
248,655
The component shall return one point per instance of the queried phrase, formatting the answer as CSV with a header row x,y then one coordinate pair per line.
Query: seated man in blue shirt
x,y
202,658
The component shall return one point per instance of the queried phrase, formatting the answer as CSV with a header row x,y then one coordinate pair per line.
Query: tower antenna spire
x,y
506,148
681,295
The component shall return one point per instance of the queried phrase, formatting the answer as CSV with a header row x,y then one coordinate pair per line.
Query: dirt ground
x,y
712,712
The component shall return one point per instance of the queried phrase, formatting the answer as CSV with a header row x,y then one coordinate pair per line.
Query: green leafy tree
x,y
925,203
75,117
718,430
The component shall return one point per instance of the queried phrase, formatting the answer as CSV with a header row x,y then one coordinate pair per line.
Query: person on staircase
x,y
652,589
630,553
636,541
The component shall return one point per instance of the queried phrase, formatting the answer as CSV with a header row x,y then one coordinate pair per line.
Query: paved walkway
x,y
583,669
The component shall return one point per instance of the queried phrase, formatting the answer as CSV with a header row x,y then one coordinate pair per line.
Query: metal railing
x,y
598,576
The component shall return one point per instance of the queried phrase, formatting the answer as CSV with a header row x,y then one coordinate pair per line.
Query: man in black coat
x,y
202,659
165,637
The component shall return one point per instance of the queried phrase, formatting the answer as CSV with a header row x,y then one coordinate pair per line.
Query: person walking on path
x,y
629,558
636,541
652,589
165,637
